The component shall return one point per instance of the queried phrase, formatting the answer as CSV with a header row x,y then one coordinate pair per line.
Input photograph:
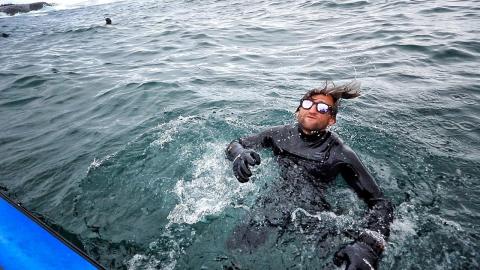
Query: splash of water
x,y
211,189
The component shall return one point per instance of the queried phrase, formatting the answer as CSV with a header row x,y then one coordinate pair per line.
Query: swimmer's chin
x,y
310,125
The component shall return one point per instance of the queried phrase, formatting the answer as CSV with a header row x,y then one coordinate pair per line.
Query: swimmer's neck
x,y
311,132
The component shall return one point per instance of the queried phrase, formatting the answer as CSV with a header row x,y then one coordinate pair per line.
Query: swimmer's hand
x,y
242,162
357,255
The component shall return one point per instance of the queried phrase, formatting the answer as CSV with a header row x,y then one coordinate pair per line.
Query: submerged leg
x,y
247,237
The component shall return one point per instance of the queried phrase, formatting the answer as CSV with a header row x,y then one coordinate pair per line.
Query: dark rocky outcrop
x,y
12,9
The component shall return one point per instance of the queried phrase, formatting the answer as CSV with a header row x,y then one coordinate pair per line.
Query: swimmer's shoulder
x,y
337,144
341,149
335,139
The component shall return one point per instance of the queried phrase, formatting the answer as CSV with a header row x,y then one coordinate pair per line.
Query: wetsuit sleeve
x,y
261,140
257,141
380,213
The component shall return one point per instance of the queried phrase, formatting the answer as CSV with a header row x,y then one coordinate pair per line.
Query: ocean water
x,y
115,135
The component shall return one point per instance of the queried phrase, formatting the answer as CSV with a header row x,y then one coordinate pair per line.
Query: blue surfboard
x,y
28,243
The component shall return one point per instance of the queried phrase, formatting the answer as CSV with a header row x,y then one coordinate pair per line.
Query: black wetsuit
x,y
309,163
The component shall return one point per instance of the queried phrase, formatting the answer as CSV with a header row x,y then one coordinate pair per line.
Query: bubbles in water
x,y
168,130
403,228
98,162
211,190
162,253
325,217
95,164
165,137
141,261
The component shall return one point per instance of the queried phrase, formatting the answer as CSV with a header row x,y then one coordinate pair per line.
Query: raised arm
x,y
371,242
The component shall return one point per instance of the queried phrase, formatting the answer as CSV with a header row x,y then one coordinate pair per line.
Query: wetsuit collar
x,y
316,136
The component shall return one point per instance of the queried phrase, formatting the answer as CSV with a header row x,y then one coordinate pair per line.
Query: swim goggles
x,y
321,107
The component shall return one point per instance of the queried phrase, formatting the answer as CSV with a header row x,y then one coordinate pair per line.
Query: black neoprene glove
x,y
358,256
362,254
242,159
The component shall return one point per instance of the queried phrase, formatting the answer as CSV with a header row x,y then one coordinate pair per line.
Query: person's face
x,y
311,120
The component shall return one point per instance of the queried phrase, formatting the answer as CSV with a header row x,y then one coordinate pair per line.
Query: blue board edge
x,y
45,227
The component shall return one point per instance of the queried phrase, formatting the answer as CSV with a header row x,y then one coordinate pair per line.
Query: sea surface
x,y
115,135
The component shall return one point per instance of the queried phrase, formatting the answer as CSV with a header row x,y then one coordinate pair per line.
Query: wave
x,y
62,4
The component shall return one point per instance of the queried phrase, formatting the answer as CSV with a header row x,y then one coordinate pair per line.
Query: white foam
x,y
451,223
98,162
56,5
342,221
140,261
305,212
404,225
95,164
170,129
151,262
210,191
64,3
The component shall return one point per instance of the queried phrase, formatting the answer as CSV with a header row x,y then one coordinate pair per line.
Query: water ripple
x,y
114,132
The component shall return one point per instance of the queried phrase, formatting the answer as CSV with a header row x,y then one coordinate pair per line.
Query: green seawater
x,y
115,135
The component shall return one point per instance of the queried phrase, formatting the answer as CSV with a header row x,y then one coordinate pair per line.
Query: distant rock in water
x,y
12,9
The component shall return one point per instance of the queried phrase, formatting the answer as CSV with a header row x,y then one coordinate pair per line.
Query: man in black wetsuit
x,y
309,154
